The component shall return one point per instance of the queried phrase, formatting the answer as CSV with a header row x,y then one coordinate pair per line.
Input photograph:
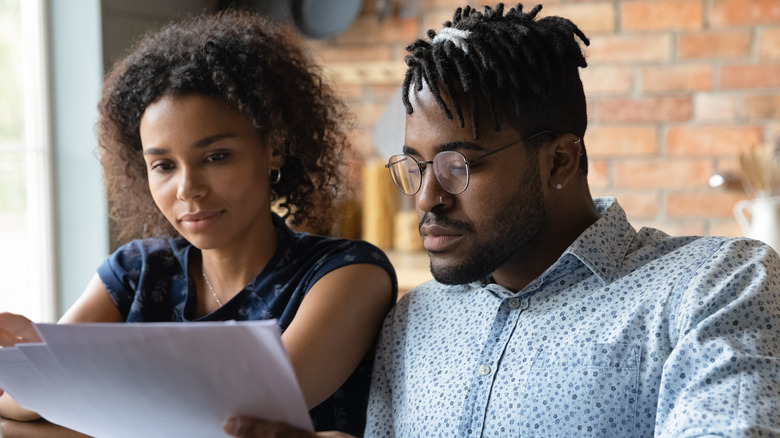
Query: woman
x,y
203,127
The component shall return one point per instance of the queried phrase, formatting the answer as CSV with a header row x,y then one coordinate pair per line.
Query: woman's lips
x,y
199,221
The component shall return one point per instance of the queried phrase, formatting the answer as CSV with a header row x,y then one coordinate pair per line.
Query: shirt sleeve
x,y
120,274
722,377
355,252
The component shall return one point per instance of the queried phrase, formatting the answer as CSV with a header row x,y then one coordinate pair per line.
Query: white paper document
x,y
154,379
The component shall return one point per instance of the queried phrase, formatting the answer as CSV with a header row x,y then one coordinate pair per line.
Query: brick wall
x,y
676,88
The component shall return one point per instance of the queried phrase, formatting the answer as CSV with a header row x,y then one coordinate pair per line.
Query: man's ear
x,y
566,152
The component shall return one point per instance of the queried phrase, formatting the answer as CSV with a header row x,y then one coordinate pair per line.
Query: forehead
x,y
194,110
428,128
428,118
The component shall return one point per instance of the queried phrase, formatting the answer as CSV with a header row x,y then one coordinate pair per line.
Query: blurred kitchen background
x,y
683,100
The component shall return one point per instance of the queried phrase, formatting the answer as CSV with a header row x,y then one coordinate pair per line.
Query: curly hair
x,y
526,70
252,65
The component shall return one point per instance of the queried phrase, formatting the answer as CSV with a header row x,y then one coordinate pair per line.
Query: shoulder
x,y
741,258
705,263
335,250
306,240
723,286
153,244
713,272
302,259
690,251
303,247
699,249
139,252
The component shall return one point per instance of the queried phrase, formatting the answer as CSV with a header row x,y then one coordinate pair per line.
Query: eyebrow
x,y
202,143
451,146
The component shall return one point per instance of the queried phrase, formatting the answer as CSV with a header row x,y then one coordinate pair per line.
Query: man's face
x,y
496,221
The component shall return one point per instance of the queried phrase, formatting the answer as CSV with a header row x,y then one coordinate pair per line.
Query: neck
x,y
560,231
230,269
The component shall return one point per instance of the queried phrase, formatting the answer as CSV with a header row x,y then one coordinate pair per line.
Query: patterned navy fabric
x,y
627,335
148,281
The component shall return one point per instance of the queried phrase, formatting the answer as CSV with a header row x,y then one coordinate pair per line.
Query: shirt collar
x,y
601,248
603,245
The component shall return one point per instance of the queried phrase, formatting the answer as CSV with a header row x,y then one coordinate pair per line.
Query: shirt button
x,y
483,370
514,303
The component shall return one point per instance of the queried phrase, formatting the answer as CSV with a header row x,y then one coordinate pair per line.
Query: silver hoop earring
x,y
275,175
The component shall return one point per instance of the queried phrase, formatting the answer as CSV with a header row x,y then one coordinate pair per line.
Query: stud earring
x,y
559,186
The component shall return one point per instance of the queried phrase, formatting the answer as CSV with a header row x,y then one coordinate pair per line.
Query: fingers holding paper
x,y
248,427
16,329
35,429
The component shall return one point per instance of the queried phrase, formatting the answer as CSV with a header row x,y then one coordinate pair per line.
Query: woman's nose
x,y
191,185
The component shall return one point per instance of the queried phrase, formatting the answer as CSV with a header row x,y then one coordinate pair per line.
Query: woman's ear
x,y
275,158
566,152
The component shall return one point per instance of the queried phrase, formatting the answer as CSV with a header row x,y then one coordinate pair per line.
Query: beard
x,y
506,235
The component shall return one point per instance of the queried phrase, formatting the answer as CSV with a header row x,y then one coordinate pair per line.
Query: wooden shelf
x,y
366,72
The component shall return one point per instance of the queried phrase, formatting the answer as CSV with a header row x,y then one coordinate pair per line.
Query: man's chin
x,y
454,274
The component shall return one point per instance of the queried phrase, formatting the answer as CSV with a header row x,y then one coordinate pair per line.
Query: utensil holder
x,y
760,219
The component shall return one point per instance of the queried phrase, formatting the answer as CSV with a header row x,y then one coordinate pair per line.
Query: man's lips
x,y
437,238
198,221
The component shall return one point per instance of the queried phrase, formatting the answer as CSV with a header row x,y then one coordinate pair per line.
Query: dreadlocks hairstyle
x,y
247,62
524,70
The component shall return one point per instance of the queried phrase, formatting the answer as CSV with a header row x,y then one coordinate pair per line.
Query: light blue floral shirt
x,y
628,334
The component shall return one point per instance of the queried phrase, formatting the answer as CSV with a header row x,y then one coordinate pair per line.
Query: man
x,y
549,314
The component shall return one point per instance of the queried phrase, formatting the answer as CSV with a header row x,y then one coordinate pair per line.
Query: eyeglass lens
x,y
406,173
451,171
449,167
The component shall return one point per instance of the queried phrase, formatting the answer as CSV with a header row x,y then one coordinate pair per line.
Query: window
x,y
26,232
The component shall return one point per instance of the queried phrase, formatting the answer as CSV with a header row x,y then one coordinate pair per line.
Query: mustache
x,y
443,221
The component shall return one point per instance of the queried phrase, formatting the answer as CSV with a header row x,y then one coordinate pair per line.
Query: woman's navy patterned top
x,y
148,281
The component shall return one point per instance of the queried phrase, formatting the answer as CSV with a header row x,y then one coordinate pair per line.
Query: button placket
x,y
481,391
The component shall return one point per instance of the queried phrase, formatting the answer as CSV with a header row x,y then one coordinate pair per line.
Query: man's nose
x,y
431,193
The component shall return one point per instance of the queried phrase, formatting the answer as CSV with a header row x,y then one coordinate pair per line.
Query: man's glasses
x,y
451,169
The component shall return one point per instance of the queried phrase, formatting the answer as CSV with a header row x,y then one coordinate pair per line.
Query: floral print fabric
x,y
628,334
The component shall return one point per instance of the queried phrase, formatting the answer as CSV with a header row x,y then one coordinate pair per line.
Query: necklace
x,y
211,288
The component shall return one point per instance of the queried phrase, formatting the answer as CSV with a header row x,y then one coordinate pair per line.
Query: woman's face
x,y
207,170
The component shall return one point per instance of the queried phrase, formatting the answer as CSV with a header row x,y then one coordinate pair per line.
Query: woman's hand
x,y
16,329
35,429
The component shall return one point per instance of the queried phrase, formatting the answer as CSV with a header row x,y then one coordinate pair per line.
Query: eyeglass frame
x,y
423,164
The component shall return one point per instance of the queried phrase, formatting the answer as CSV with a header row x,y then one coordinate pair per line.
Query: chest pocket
x,y
582,390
